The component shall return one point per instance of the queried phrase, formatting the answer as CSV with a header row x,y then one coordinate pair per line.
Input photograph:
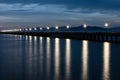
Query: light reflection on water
x,y
57,59
52,59
106,61
41,56
68,58
85,60
48,57
35,56
30,64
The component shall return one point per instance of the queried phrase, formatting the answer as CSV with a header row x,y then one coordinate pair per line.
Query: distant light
x,y
26,29
67,26
20,29
85,25
30,29
41,28
48,28
10,30
35,28
56,27
106,25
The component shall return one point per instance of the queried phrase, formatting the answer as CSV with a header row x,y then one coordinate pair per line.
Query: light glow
x,y
41,28
30,29
48,28
20,29
35,28
106,25
85,25
26,29
67,26
10,30
56,27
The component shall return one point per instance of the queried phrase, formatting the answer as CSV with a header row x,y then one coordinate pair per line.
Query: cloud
x,y
57,13
31,7
6,18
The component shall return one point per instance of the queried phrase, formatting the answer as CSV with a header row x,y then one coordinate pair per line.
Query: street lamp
x,y
26,29
30,29
48,28
56,27
67,26
106,25
35,28
20,29
41,28
85,25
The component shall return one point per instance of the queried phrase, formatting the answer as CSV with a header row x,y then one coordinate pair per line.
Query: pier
x,y
91,36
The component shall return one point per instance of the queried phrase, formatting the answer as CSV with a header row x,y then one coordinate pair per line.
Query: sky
x,y
27,13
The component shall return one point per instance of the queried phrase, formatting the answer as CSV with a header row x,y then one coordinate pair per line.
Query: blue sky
x,y
28,13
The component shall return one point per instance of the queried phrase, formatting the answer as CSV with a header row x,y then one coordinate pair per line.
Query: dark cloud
x,y
60,11
92,4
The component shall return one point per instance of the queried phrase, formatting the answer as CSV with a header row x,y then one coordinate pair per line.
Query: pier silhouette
x,y
91,36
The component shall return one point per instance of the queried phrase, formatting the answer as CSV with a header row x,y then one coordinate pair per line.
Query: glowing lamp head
x,y
40,28
30,29
67,26
48,28
56,27
106,25
20,29
35,28
85,25
26,29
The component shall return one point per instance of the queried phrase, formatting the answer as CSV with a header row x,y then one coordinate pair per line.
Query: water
x,y
45,58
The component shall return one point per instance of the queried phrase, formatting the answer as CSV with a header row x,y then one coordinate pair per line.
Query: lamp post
x,y
85,26
35,28
56,27
48,28
106,26
26,29
41,28
20,29
30,29
68,27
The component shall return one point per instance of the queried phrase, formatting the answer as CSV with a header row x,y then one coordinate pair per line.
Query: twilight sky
x,y
59,12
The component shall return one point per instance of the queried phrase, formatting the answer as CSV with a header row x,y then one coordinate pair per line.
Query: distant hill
x,y
116,29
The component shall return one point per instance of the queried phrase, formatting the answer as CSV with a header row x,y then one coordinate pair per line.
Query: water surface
x,y
45,58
